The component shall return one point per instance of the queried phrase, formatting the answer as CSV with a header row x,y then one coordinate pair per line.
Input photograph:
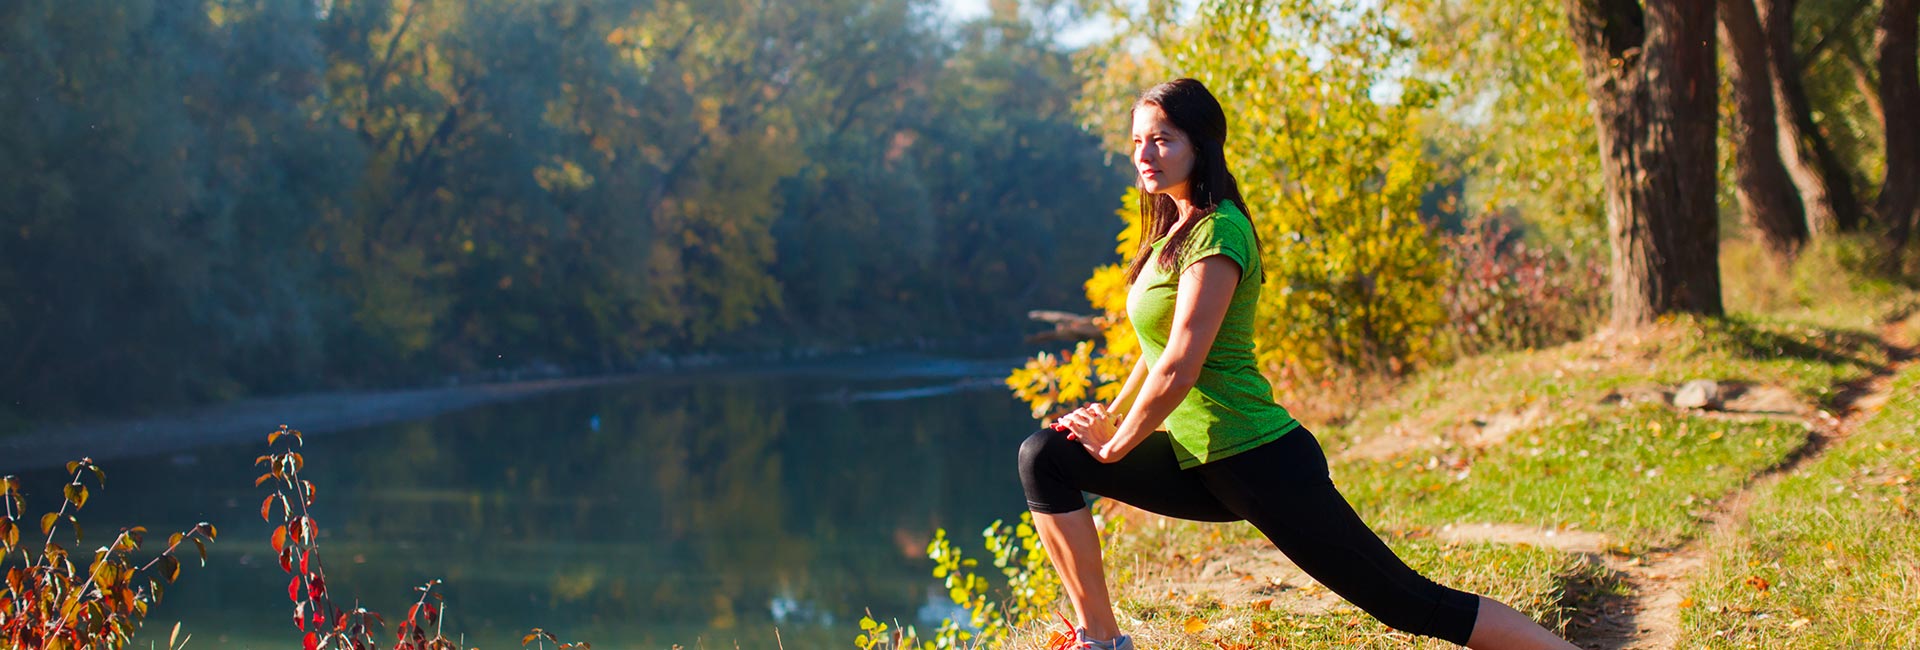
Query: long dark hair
x,y
1194,111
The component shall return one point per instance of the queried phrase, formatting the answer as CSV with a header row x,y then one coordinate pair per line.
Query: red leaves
x,y
284,431
296,542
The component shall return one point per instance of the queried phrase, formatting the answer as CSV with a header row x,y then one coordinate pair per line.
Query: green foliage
x,y
993,614
1518,124
1835,43
201,195
48,603
1053,383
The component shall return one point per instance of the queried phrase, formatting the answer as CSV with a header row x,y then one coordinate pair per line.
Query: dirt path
x,y
1649,617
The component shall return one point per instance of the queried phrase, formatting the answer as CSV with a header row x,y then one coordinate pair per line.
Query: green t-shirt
x,y
1231,407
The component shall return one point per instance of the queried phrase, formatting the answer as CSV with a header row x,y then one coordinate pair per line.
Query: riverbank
x,y
49,445
106,440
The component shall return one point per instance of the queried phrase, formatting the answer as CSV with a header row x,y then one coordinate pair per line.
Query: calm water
x,y
704,512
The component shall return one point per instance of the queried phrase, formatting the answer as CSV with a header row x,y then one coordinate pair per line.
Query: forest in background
x,y
213,199
225,198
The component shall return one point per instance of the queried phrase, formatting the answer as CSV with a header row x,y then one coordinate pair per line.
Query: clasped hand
x,y
1093,427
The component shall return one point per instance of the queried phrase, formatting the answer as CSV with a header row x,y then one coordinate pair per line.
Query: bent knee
x,y
1035,448
1042,474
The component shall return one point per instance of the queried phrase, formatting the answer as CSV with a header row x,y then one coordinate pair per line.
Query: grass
x,y
1806,359
1642,475
1830,285
1828,557
1534,580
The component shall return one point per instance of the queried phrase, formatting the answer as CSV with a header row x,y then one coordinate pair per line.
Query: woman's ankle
x,y
1089,634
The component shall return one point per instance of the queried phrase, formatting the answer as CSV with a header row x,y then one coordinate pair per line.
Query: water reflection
x,y
690,512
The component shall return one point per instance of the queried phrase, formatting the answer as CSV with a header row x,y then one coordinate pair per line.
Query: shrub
x,y
295,542
47,603
1510,295
994,616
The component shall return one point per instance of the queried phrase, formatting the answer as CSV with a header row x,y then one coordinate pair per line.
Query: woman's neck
x,y
1183,204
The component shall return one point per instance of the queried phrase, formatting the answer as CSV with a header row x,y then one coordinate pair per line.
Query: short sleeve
x,y
1221,234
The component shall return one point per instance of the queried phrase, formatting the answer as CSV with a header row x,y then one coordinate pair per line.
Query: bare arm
x,y
1128,391
1206,288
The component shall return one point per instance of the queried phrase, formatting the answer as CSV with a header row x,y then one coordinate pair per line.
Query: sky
x,y
963,9
1086,32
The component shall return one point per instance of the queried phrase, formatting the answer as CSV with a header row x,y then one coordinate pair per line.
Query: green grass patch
x,y
1643,476
1833,284
1828,557
1808,360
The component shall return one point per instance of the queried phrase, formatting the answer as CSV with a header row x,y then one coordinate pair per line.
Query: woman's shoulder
x,y
1229,219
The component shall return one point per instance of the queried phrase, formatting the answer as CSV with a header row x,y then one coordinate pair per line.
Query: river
x,y
706,511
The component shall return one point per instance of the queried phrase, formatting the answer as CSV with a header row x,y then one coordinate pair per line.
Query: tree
x,y
1768,201
1524,147
1825,187
1652,76
1895,39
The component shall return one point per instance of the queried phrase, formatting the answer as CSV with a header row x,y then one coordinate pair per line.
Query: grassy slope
x,y
1828,557
1641,474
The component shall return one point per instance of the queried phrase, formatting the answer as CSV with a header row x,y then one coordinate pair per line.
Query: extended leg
x,y
1282,488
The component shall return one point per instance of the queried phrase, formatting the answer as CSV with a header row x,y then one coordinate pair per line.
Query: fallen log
x,y
1067,326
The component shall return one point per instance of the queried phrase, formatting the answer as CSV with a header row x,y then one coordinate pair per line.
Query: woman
x,y
1228,451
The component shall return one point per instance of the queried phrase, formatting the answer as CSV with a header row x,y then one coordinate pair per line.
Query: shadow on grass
x,y
1832,347
1599,603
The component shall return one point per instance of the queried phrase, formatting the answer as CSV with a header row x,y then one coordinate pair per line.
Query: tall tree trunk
x,y
1654,82
1825,187
1864,82
1768,201
1900,101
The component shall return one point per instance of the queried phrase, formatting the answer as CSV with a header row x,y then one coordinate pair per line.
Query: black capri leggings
x,y
1283,489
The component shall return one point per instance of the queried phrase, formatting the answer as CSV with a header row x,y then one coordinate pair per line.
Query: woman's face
x,y
1162,153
